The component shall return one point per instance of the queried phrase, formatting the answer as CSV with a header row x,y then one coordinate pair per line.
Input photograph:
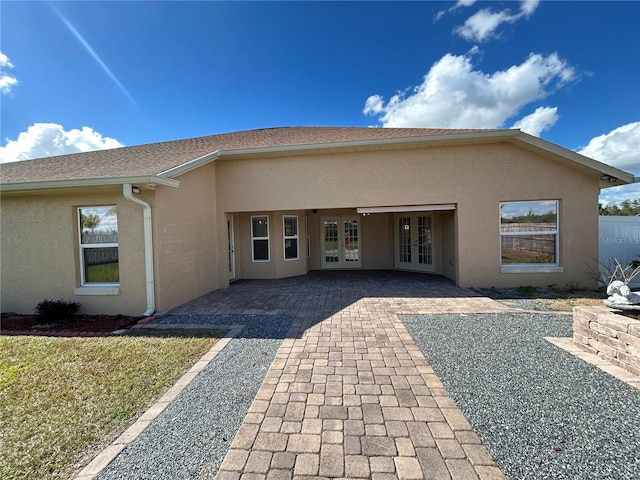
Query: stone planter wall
x,y
611,336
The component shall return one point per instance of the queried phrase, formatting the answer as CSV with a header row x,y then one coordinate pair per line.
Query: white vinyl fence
x,y
620,239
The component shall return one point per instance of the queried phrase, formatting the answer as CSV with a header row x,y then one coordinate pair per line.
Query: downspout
x,y
127,191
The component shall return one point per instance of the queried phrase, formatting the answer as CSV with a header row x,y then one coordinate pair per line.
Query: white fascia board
x,y
190,165
602,168
407,208
141,180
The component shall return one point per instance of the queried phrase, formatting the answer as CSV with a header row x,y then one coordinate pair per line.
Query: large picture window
x,y
98,228
529,233
290,226
260,238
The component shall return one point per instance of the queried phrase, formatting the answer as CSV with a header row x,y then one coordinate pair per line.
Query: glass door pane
x,y
425,241
330,245
404,240
351,242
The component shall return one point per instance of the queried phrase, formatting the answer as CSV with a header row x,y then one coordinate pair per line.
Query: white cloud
x,y
48,139
616,195
539,121
4,61
374,105
458,4
6,81
482,25
454,95
619,148
527,7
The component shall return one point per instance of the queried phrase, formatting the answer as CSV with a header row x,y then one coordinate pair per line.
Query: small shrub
x,y
574,287
527,291
52,311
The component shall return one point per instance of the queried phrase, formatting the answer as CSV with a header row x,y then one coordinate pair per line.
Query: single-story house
x,y
145,228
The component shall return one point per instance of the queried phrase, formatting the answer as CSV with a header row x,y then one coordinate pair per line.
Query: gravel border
x,y
190,438
543,413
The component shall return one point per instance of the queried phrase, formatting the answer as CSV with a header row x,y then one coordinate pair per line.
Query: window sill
x,y
531,269
115,290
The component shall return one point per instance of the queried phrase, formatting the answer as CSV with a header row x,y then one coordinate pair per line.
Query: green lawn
x,y
525,256
60,396
103,273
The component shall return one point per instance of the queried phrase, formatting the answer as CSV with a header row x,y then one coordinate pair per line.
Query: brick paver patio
x,y
349,395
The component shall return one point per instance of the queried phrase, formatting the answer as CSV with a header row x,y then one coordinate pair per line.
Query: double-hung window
x,y
290,226
260,238
98,231
529,234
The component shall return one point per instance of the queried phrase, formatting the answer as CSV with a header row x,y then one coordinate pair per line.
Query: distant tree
x,y
90,222
626,208
532,217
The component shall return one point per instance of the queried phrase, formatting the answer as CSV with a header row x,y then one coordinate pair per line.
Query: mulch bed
x,y
80,325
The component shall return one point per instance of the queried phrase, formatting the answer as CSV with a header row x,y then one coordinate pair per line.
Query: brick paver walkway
x,y
349,394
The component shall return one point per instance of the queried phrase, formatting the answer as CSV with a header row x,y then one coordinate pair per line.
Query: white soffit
x,y
407,208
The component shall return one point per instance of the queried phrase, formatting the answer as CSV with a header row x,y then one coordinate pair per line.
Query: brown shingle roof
x,y
154,158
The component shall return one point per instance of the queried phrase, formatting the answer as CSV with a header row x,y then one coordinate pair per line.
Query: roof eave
x,y
148,181
190,165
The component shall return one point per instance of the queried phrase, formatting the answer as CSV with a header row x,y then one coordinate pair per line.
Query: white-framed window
x,y
290,233
529,233
260,238
98,242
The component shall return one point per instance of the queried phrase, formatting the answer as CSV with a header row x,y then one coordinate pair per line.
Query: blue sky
x,y
77,76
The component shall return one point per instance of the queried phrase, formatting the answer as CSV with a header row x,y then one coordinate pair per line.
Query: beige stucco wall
x,y
39,253
377,241
447,237
188,234
475,178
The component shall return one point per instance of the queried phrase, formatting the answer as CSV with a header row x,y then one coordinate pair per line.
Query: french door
x,y
414,242
341,239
